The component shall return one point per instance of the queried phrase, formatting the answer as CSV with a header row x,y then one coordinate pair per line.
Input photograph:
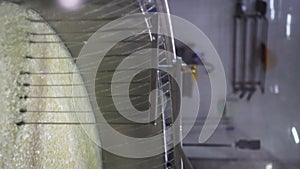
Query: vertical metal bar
x,y
171,29
176,99
244,55
265,26
153,85
252,59
234,60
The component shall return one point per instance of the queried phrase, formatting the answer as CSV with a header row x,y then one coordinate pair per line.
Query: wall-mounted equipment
x,y
249,48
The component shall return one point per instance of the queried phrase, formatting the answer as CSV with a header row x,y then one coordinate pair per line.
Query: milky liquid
x,y
40,146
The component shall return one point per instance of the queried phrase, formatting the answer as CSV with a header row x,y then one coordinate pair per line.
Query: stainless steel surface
x,y
74,28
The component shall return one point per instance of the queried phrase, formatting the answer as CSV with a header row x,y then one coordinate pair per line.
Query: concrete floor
x,y
267,117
